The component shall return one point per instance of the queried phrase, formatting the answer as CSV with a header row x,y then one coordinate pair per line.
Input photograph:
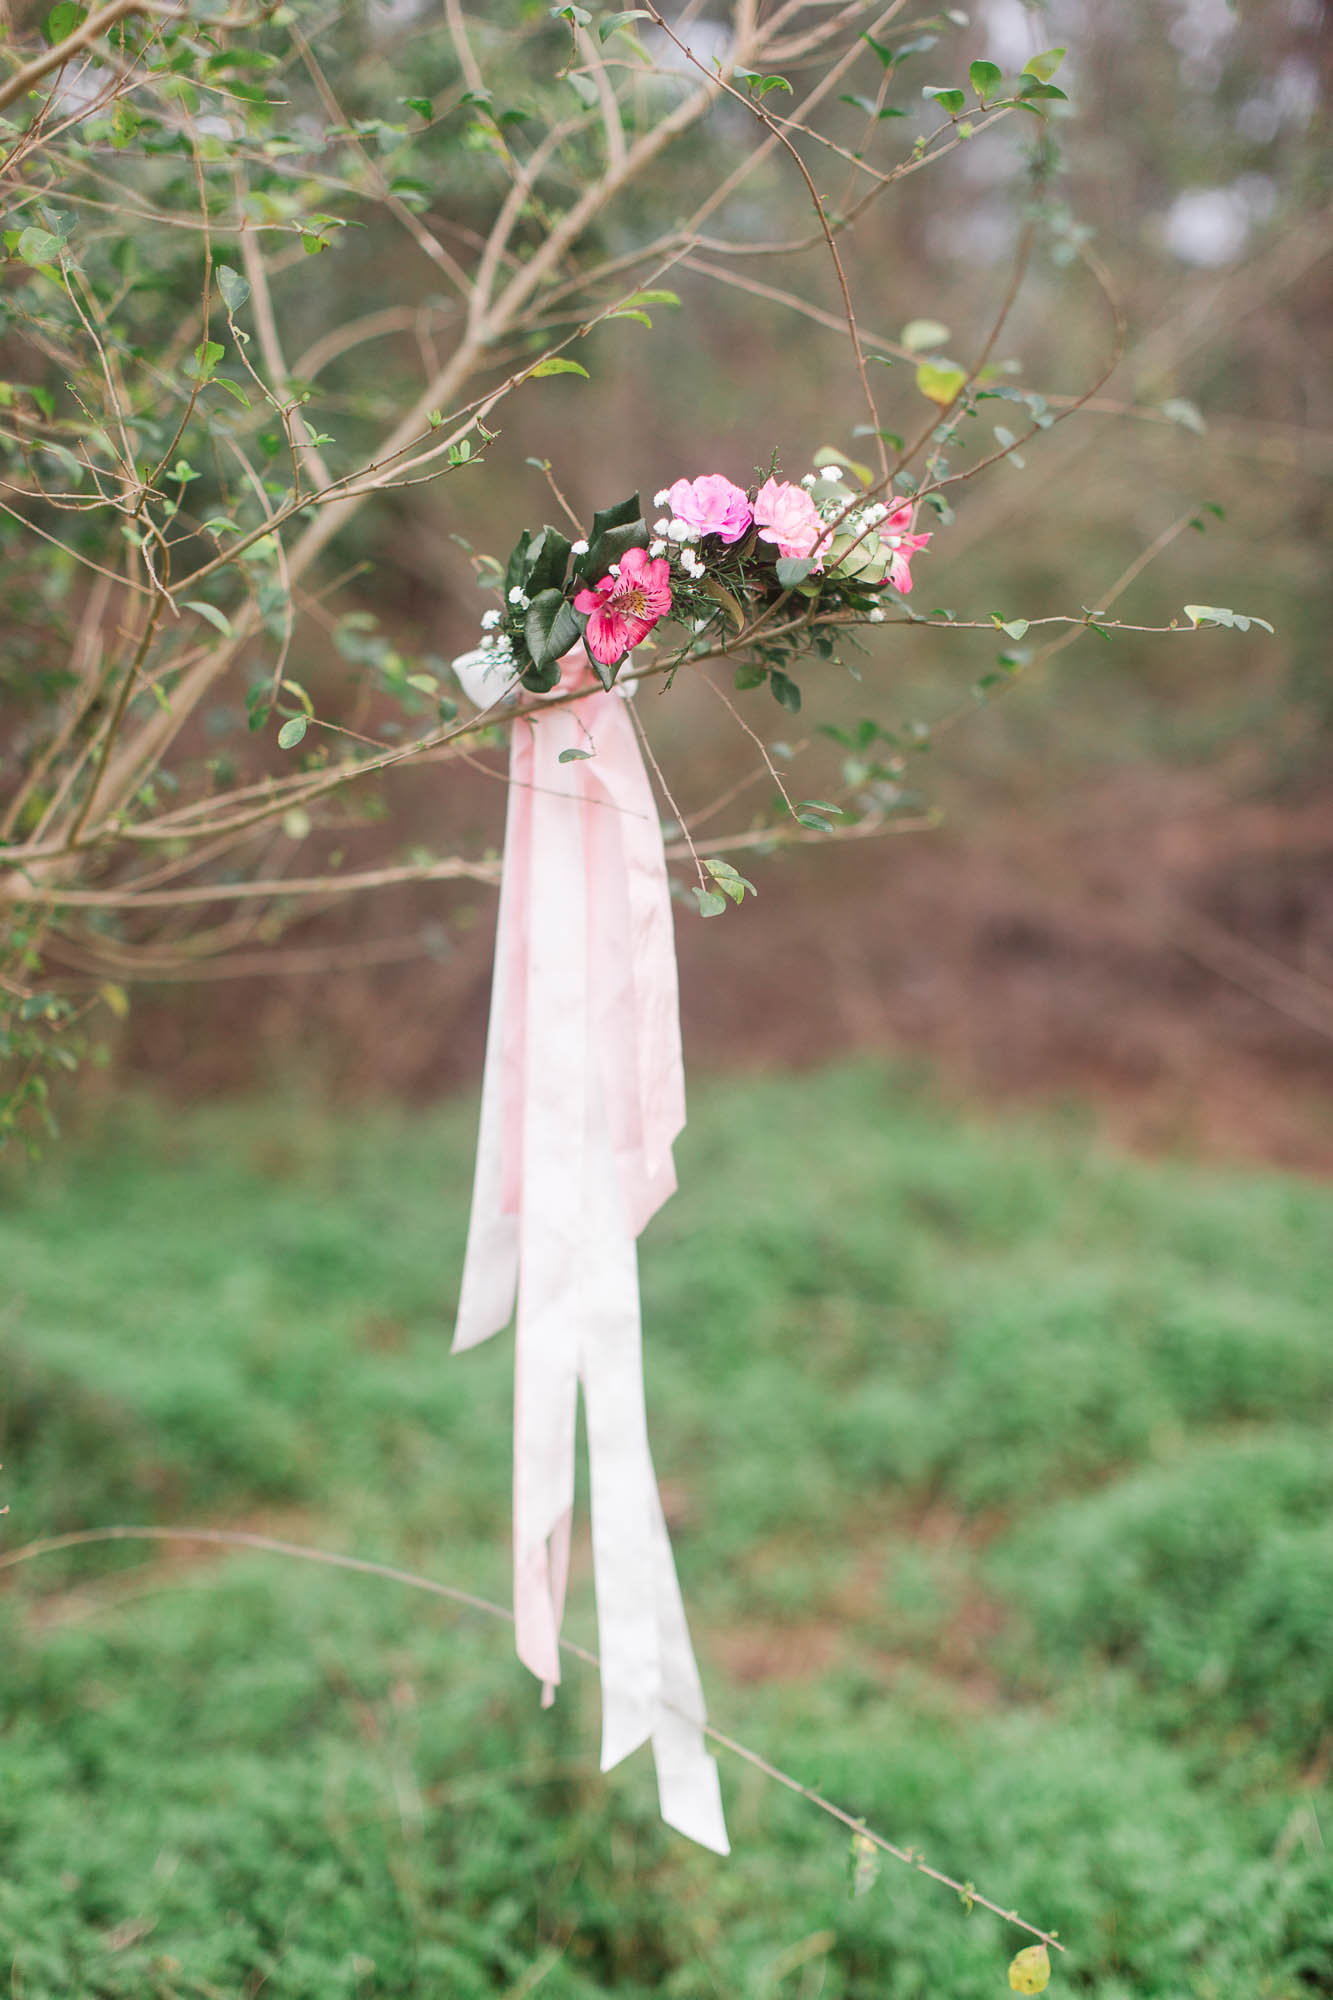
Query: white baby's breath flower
x,y
656,549
876,616
808,478
660,499
661,527
613,569
489,620
832,472
578,548
518,597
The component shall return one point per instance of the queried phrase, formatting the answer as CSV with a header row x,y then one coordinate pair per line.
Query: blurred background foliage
x,y
998,1471
997,1460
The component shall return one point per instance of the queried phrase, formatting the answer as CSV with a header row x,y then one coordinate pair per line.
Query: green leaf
x,y
234,288
232,389
815,821
630,312
941,381
538,624
556,364
610,546
614,22
792,570
567,628
1044,66
545,561
217,619
1027,91
829,454
1219,614
710,903
292,731
984,77
62,20
421,105
785,691
922,333
578,17
573,756
38,246
204,360
820,805
948,99
655,298
1013,627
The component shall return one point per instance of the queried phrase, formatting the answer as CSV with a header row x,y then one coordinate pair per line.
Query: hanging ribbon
x,y
582,1096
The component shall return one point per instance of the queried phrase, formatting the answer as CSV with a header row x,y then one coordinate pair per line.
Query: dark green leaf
x,y
573,756
565,631
984,76
792,570
545,562
537,624
785,691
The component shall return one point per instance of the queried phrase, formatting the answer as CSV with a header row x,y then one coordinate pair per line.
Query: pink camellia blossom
x,y
895,534
625,607
712,505
786,514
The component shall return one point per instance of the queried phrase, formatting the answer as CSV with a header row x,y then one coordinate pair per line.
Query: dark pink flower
x,y
710,504
626,605
786,514
895,534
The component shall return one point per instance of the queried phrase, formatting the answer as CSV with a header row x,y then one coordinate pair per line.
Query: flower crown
x,y
717,554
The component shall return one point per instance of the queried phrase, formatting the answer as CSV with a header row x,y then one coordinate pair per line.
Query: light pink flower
x,y
902,544
786,514
624,608
712,505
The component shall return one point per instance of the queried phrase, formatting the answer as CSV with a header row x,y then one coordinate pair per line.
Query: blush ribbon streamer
x,y
582,1096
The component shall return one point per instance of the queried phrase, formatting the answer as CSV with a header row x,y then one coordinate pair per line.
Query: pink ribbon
x,y
582,1096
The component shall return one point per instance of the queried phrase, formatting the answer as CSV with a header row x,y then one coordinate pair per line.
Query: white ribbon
x,y
582,1096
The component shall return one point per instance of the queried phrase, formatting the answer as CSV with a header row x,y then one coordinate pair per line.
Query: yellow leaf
x,y
1030,1972
116,1000
941,381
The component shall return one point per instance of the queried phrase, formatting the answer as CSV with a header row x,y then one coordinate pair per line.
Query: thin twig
x,y
469,1601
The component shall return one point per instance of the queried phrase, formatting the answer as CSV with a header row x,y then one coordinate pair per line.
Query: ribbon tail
x,y
490,1265
550,1060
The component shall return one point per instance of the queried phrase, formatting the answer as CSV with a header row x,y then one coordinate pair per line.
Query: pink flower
x,y
712,505
786,514
895,534
624,608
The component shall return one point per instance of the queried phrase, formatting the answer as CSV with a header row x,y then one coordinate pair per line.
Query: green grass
x,y
1001,1482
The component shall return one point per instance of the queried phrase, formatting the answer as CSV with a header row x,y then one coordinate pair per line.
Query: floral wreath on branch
x,y
717,555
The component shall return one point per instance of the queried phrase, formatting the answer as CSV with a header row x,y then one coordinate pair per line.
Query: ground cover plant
x,y
998,1470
